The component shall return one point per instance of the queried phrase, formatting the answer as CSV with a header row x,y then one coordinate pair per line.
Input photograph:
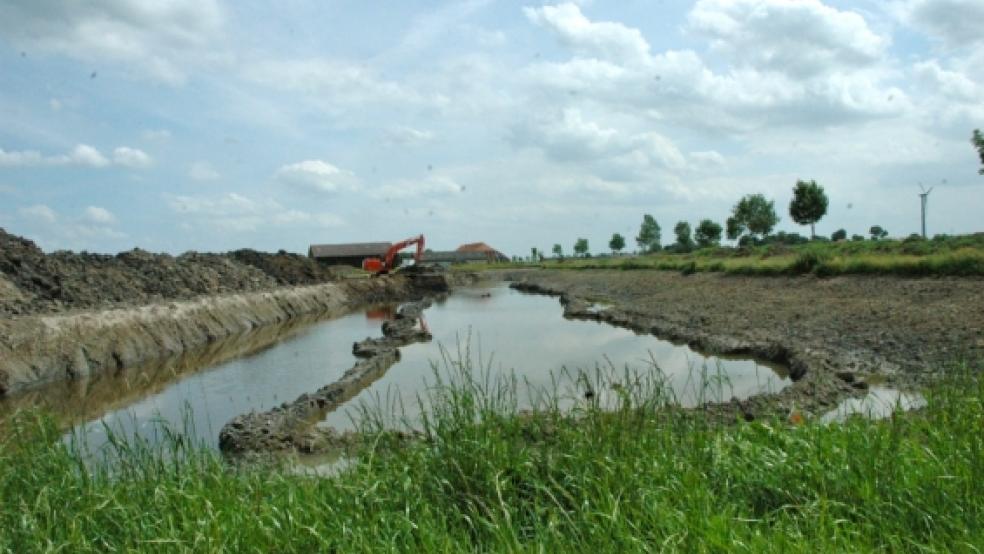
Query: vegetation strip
x,y
487,478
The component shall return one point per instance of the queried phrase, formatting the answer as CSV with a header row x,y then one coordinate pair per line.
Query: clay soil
x,y
836,336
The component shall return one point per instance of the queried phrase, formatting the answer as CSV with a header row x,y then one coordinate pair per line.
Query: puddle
x,y
879,403
520,333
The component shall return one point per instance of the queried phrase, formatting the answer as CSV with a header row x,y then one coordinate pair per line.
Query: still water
x,y
525,335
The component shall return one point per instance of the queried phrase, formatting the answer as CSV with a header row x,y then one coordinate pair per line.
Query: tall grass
x,y
485,476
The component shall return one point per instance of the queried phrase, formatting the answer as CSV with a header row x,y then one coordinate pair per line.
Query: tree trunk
x,y
813,233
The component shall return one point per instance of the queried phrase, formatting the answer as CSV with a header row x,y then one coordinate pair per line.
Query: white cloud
x,y
95,214
570,137
317,176
21,158
834,77
55,104
39,213
708,158
408,136
131,157
83,154
240,213
606,40
801,38
953,23
156,134
330,83
434,186
160,39
203,171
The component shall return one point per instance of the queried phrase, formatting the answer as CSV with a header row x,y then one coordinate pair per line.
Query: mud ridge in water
x,y
292,425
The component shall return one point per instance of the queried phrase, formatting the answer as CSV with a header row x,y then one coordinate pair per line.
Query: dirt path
x,y
836,334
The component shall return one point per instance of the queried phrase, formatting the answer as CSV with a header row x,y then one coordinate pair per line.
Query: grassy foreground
x,y
959,256
487,478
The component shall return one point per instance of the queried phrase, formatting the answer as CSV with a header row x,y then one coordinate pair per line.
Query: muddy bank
x,y
87,399
35,282
835,335
45,348
292,425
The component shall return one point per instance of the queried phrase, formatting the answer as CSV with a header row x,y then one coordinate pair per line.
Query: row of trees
x,y
752,219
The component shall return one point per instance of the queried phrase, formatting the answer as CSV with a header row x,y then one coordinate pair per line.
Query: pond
x,y
515,333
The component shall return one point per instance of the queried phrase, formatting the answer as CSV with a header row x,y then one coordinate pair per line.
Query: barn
x,y
349,253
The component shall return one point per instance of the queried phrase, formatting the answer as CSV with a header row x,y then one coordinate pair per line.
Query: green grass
x,y
486,478
959,256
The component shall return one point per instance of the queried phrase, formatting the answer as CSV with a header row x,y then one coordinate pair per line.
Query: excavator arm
x,y
383,266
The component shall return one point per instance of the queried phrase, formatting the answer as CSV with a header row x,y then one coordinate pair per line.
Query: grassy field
x,y
488,478
962,256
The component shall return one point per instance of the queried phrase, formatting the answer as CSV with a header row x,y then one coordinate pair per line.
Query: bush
x,y
809,261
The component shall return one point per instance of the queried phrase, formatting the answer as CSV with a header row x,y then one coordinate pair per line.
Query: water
x,y
526,335
522,333
879,403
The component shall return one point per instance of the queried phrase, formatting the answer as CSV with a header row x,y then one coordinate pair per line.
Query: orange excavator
x,y
383,266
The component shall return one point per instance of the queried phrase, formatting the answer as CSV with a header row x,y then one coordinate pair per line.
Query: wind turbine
x,y
923,197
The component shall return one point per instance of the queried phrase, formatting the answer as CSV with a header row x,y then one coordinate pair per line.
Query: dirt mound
x,y
34,282
285,267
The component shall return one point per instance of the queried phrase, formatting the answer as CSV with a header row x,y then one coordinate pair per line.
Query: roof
x,y
483,248
476,247
454,257
351,249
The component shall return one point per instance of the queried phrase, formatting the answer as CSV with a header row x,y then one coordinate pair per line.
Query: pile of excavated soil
x,y
287,268
32,281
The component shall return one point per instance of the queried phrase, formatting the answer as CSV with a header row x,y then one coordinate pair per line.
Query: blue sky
x,y
209,125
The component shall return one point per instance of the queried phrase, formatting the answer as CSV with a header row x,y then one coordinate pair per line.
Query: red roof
x,y
476,247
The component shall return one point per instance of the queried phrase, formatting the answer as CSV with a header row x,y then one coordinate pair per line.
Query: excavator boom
x,y
383,266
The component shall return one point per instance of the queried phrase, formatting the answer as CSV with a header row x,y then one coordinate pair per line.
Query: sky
x,y
213,125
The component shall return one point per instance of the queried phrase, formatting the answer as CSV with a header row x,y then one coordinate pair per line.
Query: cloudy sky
x,y
210,125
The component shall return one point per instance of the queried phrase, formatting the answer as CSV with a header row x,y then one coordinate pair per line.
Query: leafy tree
x,y
707,233
877,232
978,141
558,251
649,235
581,247
857,238
809,204
684,242
839,234
752,214
617,243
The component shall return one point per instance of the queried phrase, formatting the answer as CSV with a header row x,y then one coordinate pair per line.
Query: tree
x,y
978,141
877,232
857,238
558,251
752,214
581,247
839,234
809,204
684,243
617,243
707,233
649,235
